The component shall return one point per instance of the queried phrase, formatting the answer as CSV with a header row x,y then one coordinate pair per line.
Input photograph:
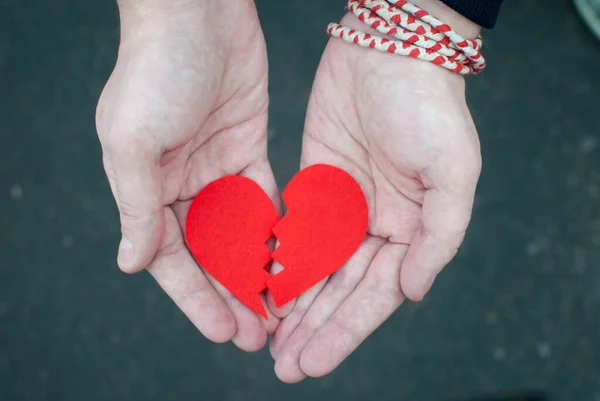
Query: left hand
x,y
402,129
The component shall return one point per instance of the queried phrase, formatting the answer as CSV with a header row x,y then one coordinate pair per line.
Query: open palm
x,y
186,104
402,128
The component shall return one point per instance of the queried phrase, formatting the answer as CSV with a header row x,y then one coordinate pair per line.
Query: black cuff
x,y
482,12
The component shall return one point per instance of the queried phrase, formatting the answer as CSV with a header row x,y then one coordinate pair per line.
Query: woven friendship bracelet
x,y
412,32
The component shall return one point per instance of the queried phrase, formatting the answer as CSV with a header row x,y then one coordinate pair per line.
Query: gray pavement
x,y
518,310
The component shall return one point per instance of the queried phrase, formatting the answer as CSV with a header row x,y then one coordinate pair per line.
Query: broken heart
x,y
231,219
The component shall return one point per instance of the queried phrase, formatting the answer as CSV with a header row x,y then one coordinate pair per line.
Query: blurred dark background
x,y
517,311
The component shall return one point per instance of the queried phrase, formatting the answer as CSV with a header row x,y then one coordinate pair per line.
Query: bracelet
x,y
415,33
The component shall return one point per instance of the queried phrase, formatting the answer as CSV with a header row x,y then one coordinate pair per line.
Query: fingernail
x,y
126,256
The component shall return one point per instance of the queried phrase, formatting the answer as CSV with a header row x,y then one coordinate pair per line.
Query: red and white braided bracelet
x,y
412,32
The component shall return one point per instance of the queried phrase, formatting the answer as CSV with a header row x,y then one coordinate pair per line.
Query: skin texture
x,y
402,128
186,104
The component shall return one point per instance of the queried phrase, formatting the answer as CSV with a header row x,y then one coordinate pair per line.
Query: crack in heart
x,y
230,218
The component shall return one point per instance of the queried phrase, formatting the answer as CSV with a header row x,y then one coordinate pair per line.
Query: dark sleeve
x,y
482,12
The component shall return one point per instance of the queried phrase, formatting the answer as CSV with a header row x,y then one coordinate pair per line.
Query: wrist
x,y
463,26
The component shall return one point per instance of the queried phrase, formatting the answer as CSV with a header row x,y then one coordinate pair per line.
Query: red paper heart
x,y
226,229
231,219
326,222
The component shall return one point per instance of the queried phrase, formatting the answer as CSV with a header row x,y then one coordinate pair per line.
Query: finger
x,y
340,285
135,178
251,333
376,297
290,322
177,273
284,310
445,218
272,323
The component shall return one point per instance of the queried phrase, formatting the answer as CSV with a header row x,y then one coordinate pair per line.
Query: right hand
x,y
186,104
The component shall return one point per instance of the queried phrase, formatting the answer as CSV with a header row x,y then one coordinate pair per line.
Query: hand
x,y
402,128
186,104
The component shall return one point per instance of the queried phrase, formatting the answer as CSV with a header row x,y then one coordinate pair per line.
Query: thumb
x,y
134,175
445,218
